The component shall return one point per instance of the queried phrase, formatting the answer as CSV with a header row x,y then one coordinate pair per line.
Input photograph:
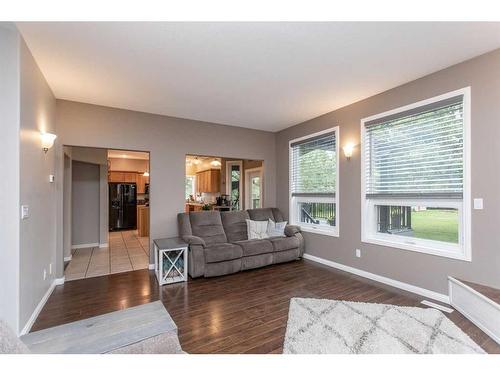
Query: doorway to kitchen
x,y
106,211
221,183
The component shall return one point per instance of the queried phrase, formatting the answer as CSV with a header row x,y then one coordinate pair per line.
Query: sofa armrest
x,y
194,240
291,230
196,260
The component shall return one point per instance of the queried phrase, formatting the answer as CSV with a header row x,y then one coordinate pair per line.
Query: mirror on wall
x,y
224,184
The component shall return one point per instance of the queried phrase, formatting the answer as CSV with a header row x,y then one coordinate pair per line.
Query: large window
x,y
314,181
415,177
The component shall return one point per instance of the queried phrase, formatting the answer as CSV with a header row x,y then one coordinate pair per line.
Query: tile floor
x,y
126,252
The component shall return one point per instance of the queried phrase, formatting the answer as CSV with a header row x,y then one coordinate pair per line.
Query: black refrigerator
x,y
122,206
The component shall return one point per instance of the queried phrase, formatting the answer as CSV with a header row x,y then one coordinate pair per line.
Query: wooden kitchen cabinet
x,y
114,176
208,181
130,177
141,183
143,220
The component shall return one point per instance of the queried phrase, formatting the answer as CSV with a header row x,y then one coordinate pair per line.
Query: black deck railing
x,y
312,213
394,219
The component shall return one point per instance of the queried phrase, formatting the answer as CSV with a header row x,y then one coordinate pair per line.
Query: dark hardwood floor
x,y
241,313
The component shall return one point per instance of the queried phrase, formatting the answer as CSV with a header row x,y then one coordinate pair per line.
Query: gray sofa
x,y
219,244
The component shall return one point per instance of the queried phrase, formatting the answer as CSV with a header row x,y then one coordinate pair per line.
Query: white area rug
x,y
335,327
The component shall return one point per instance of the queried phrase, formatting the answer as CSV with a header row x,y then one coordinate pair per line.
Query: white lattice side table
x,y
171,260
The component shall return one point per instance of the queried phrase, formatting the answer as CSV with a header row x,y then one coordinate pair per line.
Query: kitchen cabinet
x,y
117,176
143,220
130,177
193,207
208,181
141,183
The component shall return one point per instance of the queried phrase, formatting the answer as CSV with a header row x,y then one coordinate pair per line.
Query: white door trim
x,y
230,163
248,194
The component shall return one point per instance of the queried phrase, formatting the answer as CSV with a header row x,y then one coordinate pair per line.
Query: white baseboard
x,y
479,309
67,259
103,245
39,307
84,245
437,306
382,279
152,266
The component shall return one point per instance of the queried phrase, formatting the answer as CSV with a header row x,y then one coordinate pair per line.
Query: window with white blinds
x,y
314,166
417,153
313,182
414,171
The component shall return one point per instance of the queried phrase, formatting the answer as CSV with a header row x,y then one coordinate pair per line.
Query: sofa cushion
x,y
222,251
235,225
285,243
255,247
276,229
261,214
278,216
207,225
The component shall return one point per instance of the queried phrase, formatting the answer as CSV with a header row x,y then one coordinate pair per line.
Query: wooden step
x,y
478,303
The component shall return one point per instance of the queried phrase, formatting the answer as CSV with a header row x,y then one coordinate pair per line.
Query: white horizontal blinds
x,y
314,166
417,152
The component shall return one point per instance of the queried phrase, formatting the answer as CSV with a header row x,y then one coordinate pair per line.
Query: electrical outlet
x,y
44,274
478,203
25,211
358,253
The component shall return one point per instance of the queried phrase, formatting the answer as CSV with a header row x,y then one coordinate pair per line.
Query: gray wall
x,y
67,176
9,170
168,139
85,203
97,156
38,232
427,271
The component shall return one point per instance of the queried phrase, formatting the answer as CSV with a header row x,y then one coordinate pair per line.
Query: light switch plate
x,y
52,178
478,203
358,253
25,211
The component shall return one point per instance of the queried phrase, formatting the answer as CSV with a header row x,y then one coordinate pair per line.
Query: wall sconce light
x,y
47,141
146,174
196,161
215,163
348,148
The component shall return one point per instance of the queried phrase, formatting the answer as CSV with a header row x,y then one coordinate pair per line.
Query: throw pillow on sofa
x,y
276,229
256,229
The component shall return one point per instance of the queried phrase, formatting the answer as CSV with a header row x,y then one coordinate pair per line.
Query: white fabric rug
x,y
335,327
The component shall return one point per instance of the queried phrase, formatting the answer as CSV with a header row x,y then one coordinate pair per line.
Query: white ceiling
x,y
258,75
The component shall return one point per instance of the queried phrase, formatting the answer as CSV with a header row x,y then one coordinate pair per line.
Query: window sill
x,y
319,231
458,254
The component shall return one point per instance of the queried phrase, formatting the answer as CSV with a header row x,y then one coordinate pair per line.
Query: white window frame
x,y
369,234
193,193
229,165
293,201
248,187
